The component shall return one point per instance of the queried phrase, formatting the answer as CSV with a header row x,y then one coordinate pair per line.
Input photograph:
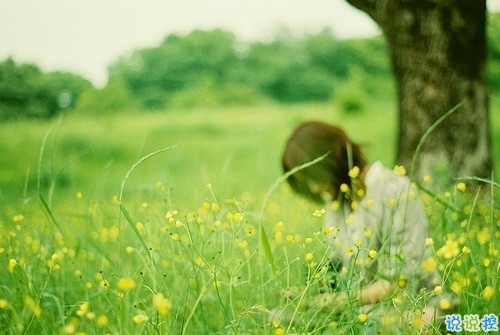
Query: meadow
x,y
178,222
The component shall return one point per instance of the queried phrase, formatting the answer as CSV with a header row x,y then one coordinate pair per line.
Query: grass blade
x,y
124,211
429,131
263,236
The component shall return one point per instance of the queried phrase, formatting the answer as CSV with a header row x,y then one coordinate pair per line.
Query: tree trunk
x,y
438,54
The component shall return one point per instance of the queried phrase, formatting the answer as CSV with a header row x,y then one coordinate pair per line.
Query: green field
x,y
91,244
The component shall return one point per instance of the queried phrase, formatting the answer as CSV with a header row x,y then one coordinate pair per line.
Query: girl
x,y
376,221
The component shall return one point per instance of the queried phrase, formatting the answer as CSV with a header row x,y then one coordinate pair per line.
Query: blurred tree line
x,y
214,68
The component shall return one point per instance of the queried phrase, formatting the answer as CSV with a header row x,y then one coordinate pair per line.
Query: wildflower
x,y
429,242
12,264
161,304
308,240
461,187
309,256
32,305
3,304
449,250
362,317
427,178
140,318
335,205
279,331
368,232
354,172
176,237
102,321
215,207
354,205
438,290
18,218
319,212
402,281
372,253
83,310
126,284
238,217
429,265
465,250
344,188
357,242
399,170
483,236
444,304
328,230
487,293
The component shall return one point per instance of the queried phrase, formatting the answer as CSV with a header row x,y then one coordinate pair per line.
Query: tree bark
x,y
438,54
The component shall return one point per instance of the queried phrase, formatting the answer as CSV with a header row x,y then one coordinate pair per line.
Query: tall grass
x,y
171,242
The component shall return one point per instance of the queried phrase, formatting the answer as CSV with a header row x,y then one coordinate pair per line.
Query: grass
x,y
105,239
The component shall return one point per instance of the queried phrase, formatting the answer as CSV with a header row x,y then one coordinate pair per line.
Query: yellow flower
x,y
368,232
429,265
487,293
354,172
461,187
3,304
402,281
344,188
126,284
438,290
362,317
309,256
32,306
335,205
429,242
238,217
449,250
427,178
399,170
465,250
83,310
372,253
12,264
319,212
140,318
102,320
18,218
161,304
444,304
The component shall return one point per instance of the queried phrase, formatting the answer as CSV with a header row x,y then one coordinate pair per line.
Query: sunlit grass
x,y
179,251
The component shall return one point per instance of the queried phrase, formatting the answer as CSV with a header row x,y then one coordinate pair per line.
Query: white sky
x,y
85,36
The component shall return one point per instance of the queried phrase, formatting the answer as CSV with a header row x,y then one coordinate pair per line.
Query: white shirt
x,y
390,219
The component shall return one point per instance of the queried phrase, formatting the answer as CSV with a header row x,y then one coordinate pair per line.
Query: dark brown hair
x,y
311,140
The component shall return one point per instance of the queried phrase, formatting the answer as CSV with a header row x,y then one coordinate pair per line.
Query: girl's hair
x,y
311,140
